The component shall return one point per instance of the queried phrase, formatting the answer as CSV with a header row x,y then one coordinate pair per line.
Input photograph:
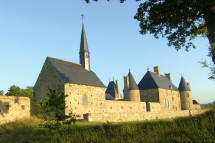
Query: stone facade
x,y
149,95
13,108
186,100
133,95
169,99
48,78
82,99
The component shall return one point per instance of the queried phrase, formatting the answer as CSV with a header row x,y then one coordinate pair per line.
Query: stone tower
x,y
131,90
84,52
185,94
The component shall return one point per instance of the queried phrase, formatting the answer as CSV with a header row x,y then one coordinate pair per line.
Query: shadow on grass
x,y
196,129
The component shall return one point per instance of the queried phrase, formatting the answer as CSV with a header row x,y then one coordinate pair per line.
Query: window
x,y
146,93
187,95
6,106
16,100
23,107
84,99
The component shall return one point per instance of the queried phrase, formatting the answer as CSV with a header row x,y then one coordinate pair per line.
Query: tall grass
x,y
196,129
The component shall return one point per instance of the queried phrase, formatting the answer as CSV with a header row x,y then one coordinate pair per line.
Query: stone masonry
x,y
13,108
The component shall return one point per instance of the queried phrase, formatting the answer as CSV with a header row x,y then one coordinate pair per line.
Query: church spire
x,y
84,52
84,45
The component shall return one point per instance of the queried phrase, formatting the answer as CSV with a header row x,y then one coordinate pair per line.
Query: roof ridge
x,y
63,60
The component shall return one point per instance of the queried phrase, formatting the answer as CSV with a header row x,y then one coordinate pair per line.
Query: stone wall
x,y
186,100
13,108
169,99
133,95
123,111
114,117
196,106
84,99
149,95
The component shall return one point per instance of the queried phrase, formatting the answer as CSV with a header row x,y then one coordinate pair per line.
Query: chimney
x,y
169,76
126,84
188,84
156,70
118,89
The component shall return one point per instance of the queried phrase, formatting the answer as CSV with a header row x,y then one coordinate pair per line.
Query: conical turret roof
x,y
183,86
111,89
83,45
132,82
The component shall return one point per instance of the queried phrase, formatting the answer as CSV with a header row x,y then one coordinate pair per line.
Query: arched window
x,y
84,100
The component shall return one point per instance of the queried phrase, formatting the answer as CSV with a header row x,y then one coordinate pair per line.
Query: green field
x,y
196,129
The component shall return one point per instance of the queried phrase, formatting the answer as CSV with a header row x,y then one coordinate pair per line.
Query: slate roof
x,y
83,45
74,73
132,82
195,102
183,85
152,80
111,89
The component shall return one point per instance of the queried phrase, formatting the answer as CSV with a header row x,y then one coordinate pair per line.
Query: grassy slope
x,y
198,129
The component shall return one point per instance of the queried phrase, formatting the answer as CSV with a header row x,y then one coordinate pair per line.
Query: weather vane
x,y
82,17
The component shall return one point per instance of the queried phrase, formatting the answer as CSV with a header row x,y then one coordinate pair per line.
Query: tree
x,y
14,91
1,92
17,91
180,21
53,106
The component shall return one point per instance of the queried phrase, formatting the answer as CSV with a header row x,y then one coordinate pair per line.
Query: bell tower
x,y
84,52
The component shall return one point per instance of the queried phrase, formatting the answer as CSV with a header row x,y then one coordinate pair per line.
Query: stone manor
x,y
155,96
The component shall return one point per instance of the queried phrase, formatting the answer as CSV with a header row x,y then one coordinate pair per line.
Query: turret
x,y
185,94
84,52
132,91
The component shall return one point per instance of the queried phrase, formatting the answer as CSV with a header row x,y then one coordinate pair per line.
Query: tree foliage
x,y
210,67
53,105
1,92
180,21
17,91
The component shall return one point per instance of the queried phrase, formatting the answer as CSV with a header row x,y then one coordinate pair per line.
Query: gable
x,y
74,73
47,73
152,80
147,82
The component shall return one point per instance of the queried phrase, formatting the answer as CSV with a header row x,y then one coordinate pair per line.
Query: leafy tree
x,y
180,21
27,92
1,92
53,106
210,67
14,91
17,91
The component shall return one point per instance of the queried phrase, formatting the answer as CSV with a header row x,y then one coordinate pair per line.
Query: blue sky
x,y
31,30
